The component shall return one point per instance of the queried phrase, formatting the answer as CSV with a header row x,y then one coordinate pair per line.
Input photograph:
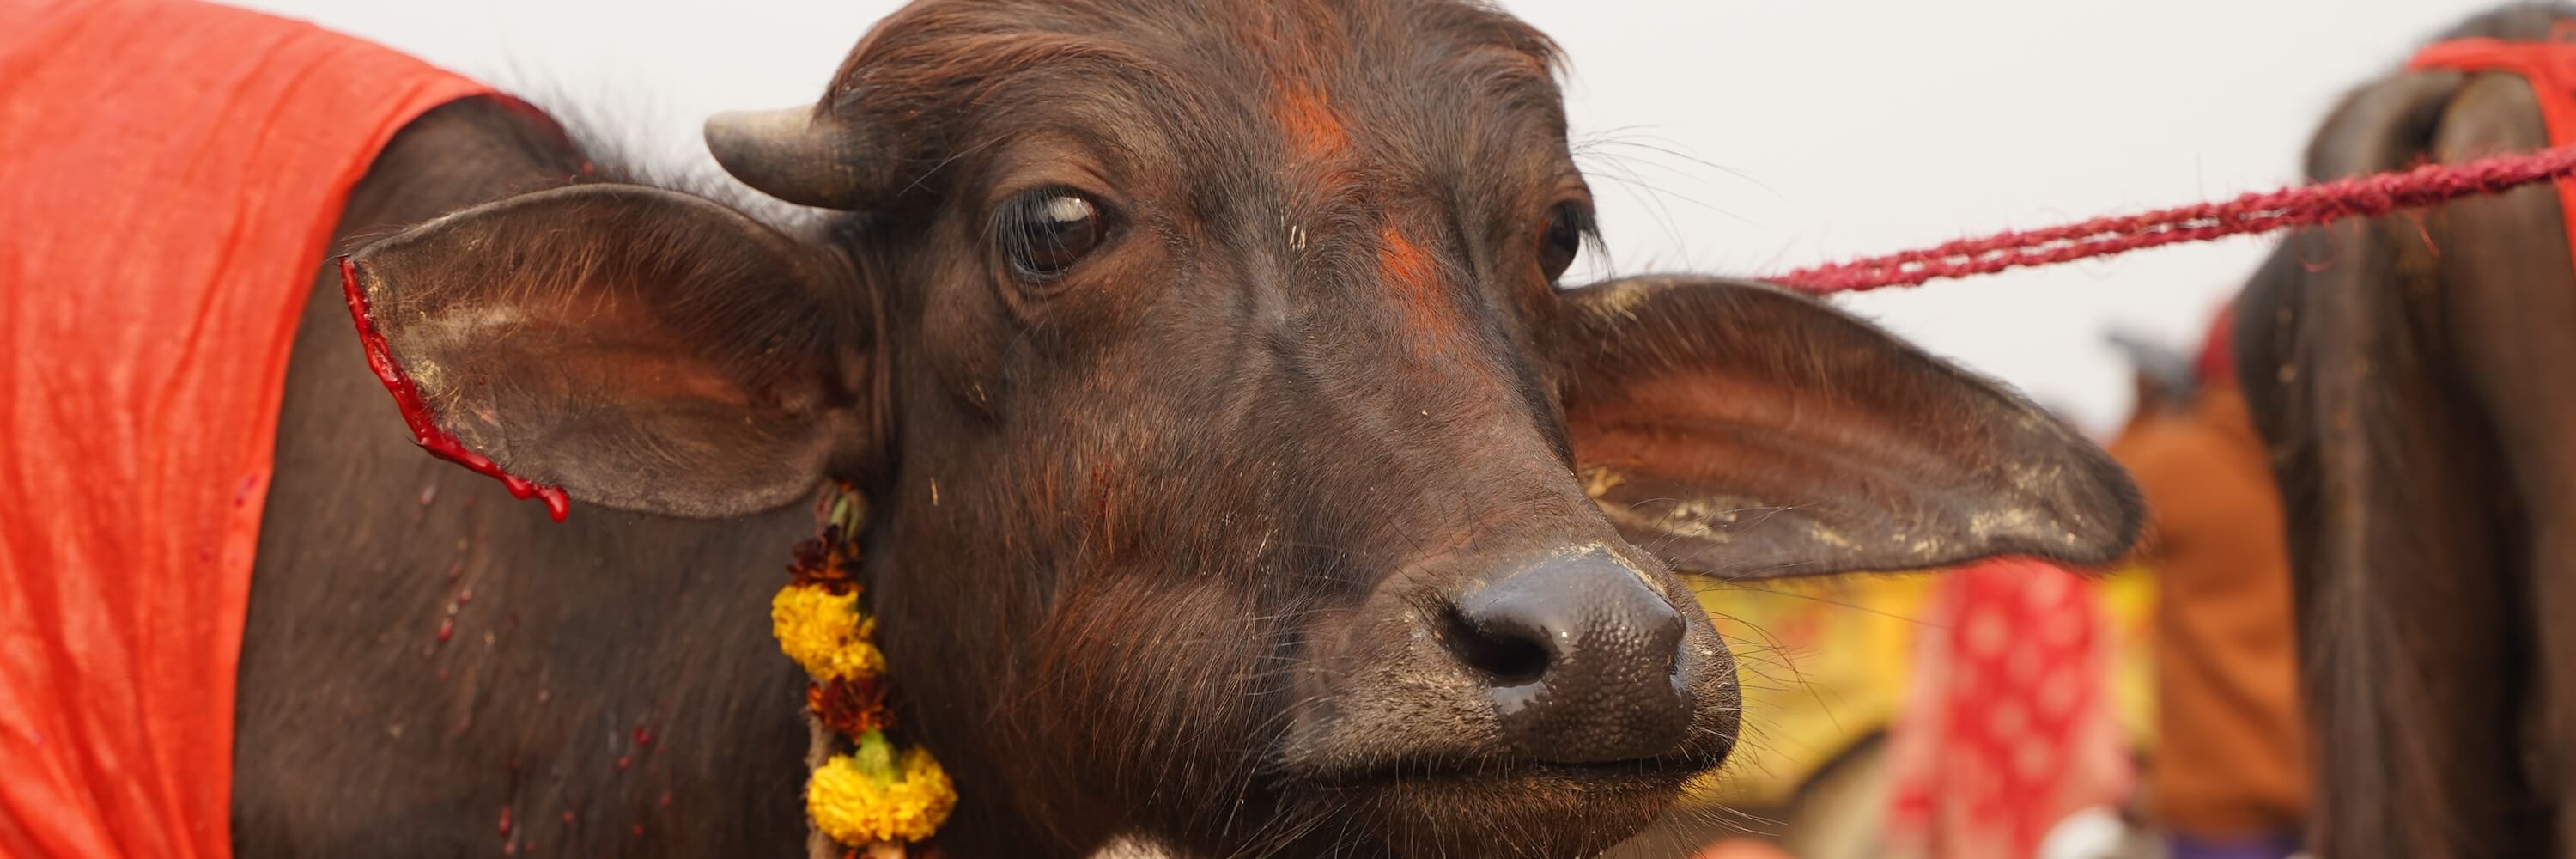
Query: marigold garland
x,y
872,797
826,633
852,707
856,802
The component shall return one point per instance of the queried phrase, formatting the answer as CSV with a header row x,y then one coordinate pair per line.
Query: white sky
x,y
1733,137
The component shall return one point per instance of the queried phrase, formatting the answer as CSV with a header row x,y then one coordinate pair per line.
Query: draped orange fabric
x,y
169,176
2549,66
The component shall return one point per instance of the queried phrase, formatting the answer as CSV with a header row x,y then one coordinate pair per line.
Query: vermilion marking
x,y
1314,128
1416,278
416,412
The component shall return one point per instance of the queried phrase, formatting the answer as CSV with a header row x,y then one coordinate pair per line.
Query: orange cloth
x,y
170,173
2231,755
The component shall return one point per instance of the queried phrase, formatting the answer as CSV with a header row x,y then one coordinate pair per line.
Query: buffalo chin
x,y
1502,810
1536,813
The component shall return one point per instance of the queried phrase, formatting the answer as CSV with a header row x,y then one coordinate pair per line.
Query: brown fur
x,y
361,733
2407,373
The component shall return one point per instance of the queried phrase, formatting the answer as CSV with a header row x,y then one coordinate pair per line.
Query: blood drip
x,y
416,412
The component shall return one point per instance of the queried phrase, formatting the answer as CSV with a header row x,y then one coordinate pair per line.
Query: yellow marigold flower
x,y
855,807
825,633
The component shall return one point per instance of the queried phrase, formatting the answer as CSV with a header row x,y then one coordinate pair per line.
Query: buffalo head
x,y
1244,476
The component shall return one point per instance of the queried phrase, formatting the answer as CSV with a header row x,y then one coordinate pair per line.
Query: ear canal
x,y
794,155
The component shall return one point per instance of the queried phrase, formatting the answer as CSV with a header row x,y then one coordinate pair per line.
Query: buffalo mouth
x,y
1488,807
1672,769
1339,750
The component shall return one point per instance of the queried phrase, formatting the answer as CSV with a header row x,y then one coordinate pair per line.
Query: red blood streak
x,y
666,799
446,628
505,820
643,736
624,762
425,430
1101,485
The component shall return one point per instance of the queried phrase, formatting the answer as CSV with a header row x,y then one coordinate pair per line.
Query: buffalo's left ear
x,y
1743,431
643,349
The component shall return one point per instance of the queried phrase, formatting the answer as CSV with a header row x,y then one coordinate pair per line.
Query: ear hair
x,y
1742,430
641,348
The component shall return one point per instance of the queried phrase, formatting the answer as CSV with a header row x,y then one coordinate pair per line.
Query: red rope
x,y
2306,205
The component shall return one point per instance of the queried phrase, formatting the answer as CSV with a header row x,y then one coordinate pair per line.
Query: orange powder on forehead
x,y
1313,128
1416,279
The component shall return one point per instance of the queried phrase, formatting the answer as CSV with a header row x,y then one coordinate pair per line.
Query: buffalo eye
x,y
1045,231
1562,239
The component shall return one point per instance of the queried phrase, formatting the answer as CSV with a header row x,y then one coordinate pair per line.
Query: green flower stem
x,y
875,757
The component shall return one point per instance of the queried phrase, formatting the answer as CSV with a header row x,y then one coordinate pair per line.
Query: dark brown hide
x,y
1240,507
2408,374
427,658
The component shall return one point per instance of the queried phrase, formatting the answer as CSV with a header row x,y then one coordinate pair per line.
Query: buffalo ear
x,y
643,349
1743,431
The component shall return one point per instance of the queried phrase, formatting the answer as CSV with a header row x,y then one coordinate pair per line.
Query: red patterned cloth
x,y
170,173
2007,727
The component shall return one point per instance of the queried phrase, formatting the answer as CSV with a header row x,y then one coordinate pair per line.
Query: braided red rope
x,y
2306,205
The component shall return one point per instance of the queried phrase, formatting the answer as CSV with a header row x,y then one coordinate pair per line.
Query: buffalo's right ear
x,y
643,349
1742,431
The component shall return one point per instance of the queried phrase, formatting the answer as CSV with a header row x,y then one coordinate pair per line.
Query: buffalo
x,y
2399,370
1243,479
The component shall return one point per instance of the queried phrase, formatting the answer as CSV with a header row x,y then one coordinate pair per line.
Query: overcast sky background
x,y
1731,136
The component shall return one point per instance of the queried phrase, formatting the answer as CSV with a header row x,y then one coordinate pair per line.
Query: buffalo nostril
x,y
1507,654
1581,659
